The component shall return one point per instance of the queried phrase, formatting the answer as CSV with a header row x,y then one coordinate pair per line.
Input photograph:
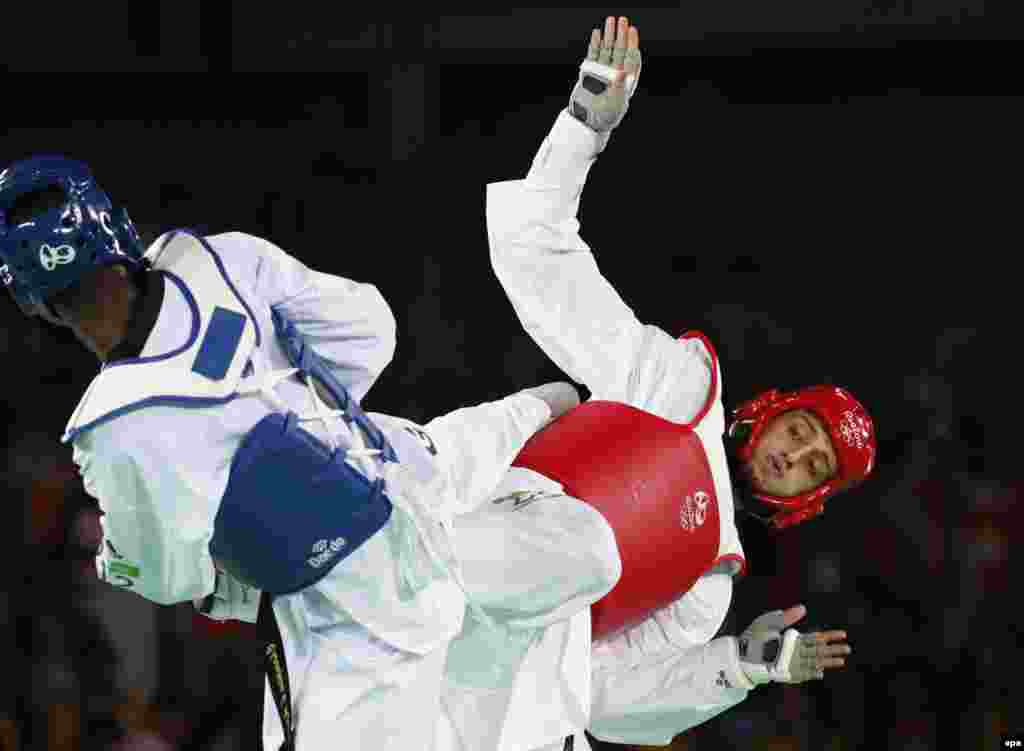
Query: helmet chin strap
x,y
743,493
739,432
747,505
48,313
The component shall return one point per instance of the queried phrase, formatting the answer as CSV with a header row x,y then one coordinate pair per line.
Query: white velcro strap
x,y
608,73
780,672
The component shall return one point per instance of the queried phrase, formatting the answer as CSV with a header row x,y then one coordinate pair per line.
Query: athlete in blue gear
x,y
224,441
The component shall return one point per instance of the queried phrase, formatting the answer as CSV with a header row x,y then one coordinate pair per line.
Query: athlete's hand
x,y
771,650
230,600
608,77
560,397
819,651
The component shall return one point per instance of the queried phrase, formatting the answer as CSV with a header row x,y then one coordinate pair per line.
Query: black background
x,y
829,191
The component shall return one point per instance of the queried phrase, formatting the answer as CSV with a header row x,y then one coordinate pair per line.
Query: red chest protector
x,y
651,480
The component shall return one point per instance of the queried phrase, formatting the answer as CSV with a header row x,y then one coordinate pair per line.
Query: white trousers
x,y
533,558
362,693
530,557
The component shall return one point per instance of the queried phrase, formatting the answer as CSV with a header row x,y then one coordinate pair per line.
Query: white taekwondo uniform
x,y
668,673
155,436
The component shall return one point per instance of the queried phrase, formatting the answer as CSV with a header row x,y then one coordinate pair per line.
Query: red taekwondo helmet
x,y
849,426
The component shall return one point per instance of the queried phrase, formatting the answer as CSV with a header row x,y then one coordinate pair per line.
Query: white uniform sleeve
x,y
157,519
667,693
691,621
675,642
478,444
566,304
348,323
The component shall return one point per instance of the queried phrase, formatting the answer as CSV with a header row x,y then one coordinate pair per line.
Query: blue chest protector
x,y
293,508
264,535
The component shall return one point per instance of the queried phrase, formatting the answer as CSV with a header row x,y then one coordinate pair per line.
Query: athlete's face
x,y
793,455
99,309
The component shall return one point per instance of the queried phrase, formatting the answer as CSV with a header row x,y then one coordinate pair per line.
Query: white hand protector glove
x,y
231,601
770,651
608,77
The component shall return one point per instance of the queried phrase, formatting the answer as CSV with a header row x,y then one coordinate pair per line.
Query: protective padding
x,y
651,480
293,509
54,250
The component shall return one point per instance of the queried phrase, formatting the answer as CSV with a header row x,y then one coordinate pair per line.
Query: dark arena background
x,y
830,191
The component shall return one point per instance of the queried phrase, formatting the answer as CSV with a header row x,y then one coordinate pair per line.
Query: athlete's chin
x,y
757,485
753,478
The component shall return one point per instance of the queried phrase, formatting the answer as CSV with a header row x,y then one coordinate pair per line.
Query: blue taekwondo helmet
x,y
56,248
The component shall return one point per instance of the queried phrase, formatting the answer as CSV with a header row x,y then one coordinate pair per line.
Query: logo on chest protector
x,y
325,550
694,511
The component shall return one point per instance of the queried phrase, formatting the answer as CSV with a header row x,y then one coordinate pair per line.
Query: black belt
x,y
277,671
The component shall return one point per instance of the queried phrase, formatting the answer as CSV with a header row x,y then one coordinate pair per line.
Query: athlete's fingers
x,y
619,52
608,42
609,31
633,43
595,45
793,615
835,650
831,636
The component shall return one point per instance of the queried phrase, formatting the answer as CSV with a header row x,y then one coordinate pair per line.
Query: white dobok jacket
x,y
154,439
